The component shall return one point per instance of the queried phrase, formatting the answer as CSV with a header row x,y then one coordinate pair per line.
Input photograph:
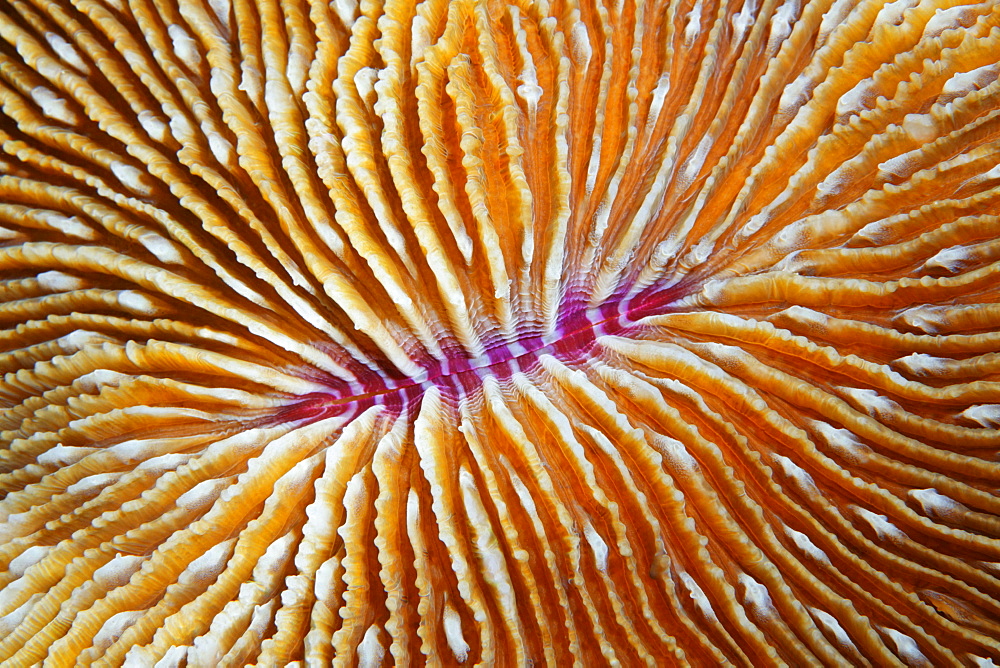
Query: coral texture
x,y
541,332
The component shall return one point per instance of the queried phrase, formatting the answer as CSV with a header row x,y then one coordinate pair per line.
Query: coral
x,y
501,334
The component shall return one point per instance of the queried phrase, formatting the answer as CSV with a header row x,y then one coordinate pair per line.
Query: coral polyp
x,y
562,333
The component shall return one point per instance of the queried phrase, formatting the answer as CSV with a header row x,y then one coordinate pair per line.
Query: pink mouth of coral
x,y
577,331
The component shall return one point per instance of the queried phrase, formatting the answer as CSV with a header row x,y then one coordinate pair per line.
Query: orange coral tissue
x,y
499,332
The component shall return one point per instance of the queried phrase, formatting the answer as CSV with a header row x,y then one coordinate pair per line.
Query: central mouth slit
x,y
575,336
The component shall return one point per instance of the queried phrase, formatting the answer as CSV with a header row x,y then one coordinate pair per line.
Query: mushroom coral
x,y
556,332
